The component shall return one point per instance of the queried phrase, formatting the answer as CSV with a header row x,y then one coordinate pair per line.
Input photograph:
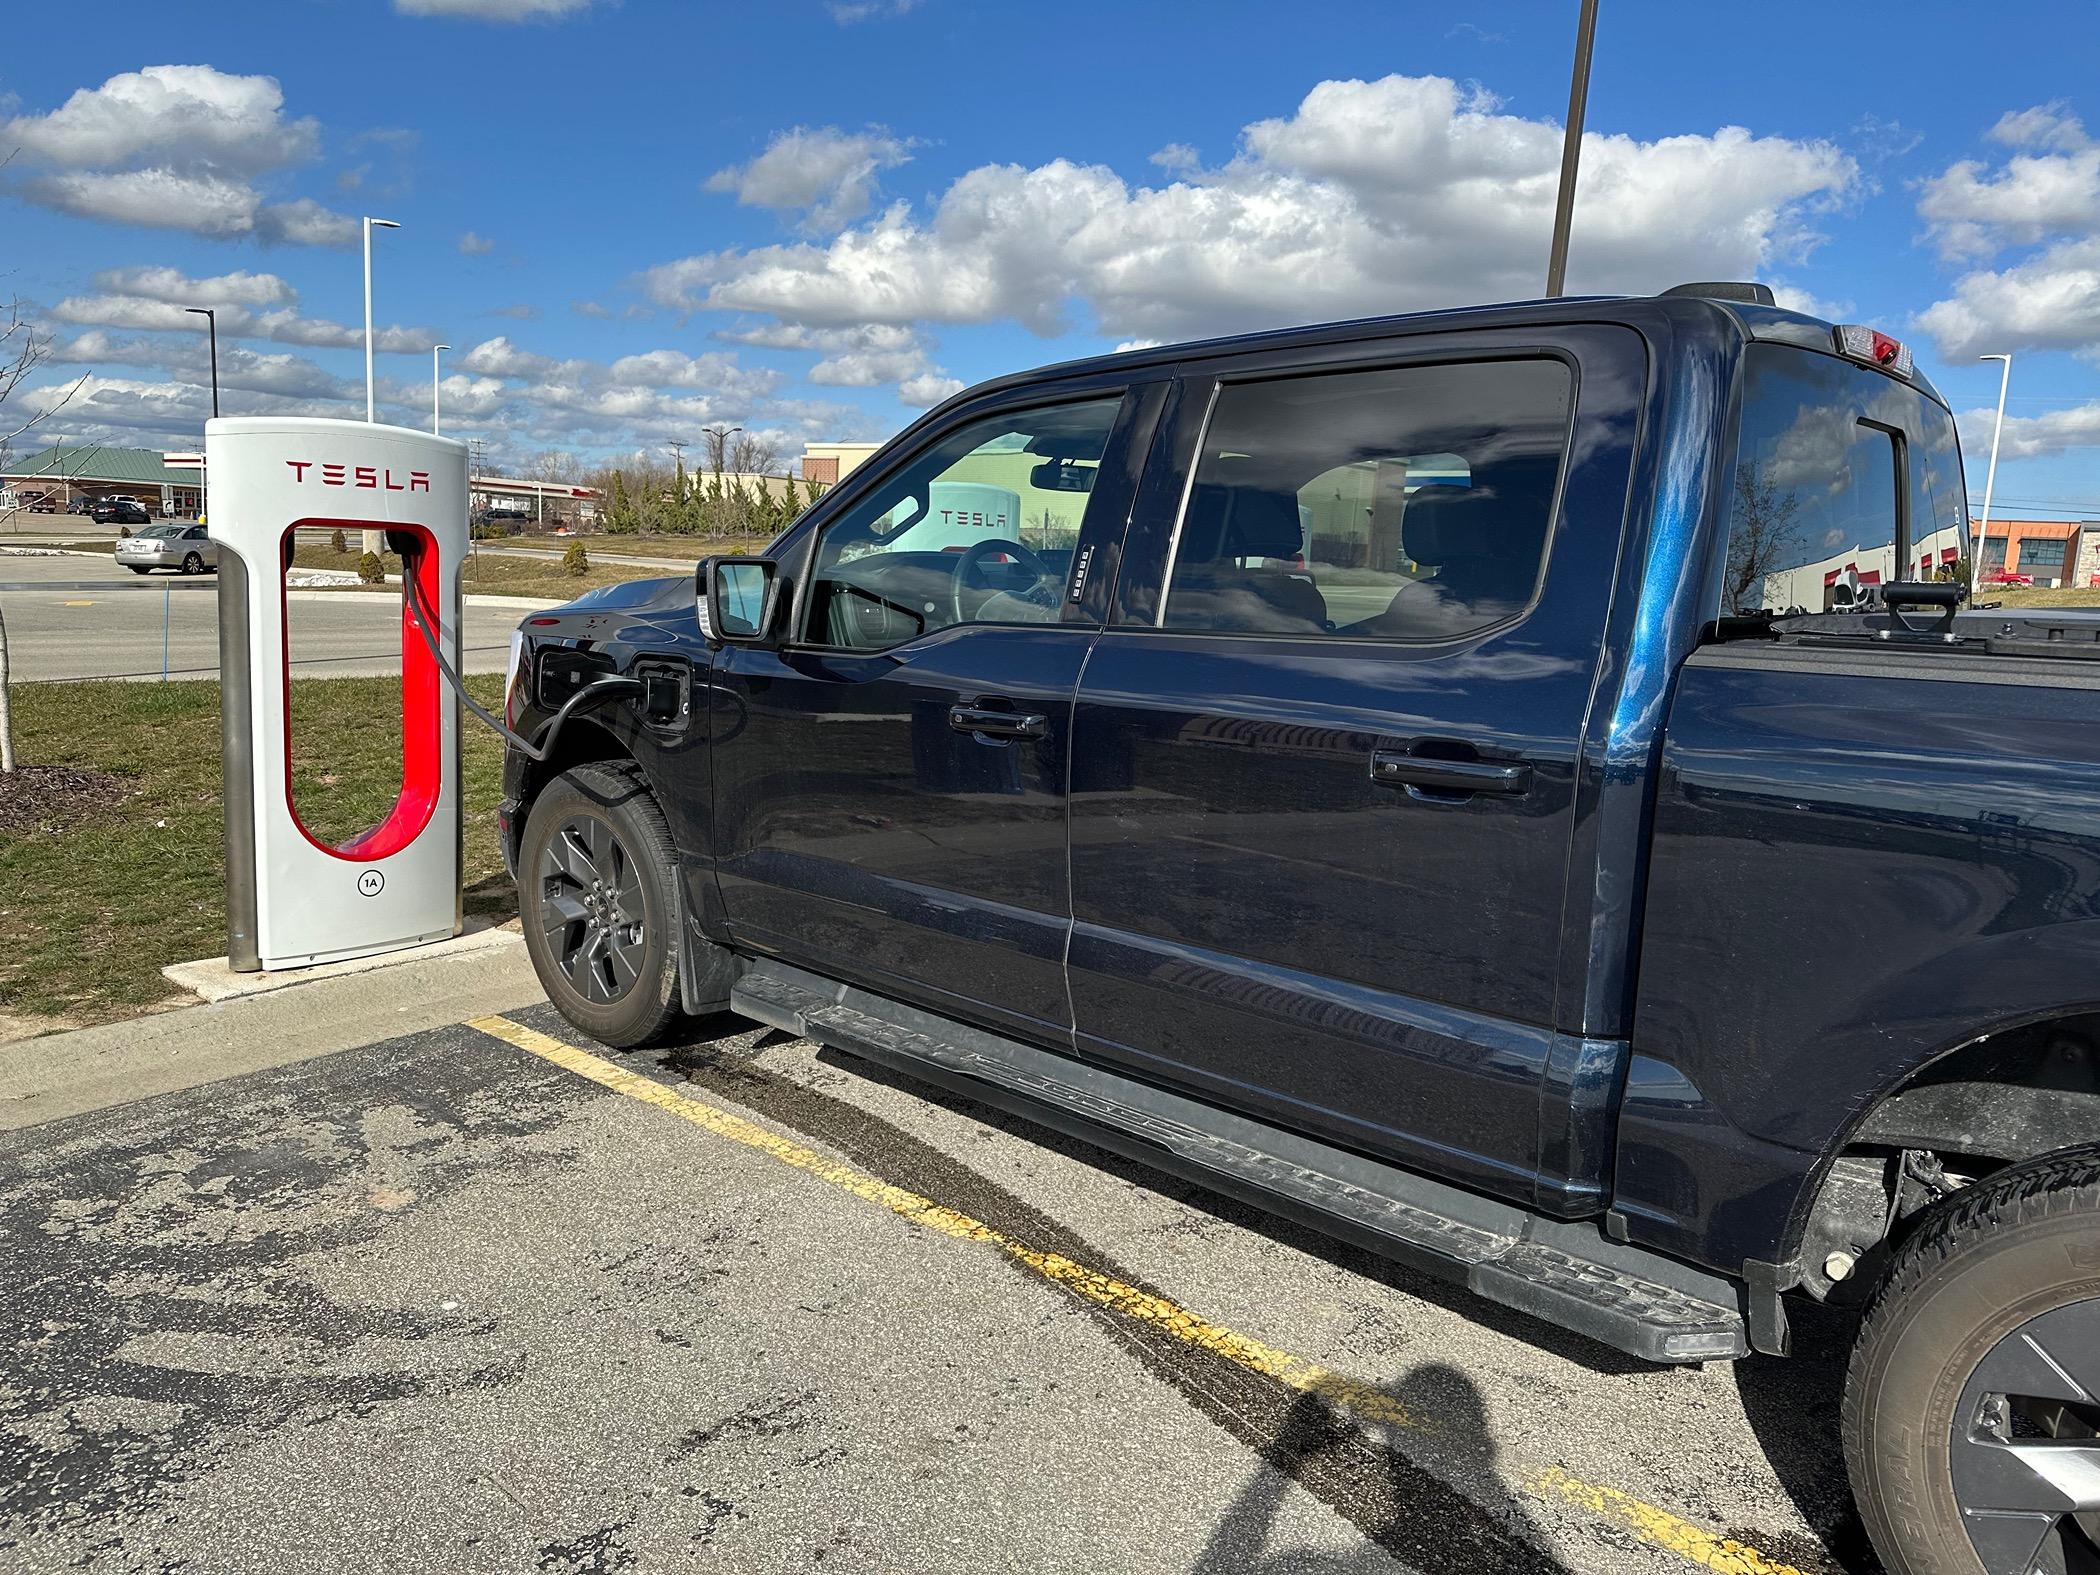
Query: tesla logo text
x,y
369,477
973,517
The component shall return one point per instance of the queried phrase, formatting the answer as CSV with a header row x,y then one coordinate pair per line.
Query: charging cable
x,y
539,747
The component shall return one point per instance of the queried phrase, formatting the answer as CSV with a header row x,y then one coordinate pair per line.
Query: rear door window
x,y
1845,480
1404,503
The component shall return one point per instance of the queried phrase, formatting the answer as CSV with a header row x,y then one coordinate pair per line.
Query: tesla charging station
x,y
293,898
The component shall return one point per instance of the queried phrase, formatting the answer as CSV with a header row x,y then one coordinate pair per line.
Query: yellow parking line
x,y
1362,1400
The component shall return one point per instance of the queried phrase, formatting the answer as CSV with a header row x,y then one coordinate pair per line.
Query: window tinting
x,y
1845,480
978,527
1407,503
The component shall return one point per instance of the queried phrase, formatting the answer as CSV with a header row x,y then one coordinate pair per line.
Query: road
x,y
360,1264
83,617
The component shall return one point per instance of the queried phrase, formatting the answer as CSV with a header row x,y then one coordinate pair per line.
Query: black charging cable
x,y
541,745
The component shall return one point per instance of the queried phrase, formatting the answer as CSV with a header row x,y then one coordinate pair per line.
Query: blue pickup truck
x,y
1519,789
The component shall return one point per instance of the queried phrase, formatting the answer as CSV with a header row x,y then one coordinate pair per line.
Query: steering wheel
x,y
972,563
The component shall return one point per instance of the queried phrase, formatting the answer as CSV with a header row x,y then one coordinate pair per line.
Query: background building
x,y
2050,552
49,481
833,462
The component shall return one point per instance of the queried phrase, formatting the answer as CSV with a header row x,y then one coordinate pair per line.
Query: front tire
x,y
1973,1399
599,907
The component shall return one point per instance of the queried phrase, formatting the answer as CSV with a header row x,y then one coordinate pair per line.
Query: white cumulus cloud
x,y
828,176
1394,195
2050,301
2049,185
928,389
174,147
2034,437
196,115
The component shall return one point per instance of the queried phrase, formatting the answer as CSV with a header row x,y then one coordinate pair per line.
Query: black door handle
x,y
1427,773
998,724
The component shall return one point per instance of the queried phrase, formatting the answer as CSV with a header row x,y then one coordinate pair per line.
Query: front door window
x,y
979,527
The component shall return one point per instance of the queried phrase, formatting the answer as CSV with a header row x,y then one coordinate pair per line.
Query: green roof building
x,y
50,481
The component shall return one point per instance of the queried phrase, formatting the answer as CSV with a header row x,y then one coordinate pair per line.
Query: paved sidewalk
x,y
61,1075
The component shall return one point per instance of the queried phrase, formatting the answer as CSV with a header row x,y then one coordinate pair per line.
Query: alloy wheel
x,y
591,909
2026,1457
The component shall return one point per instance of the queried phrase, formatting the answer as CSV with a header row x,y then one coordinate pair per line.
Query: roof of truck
x,y
1747,319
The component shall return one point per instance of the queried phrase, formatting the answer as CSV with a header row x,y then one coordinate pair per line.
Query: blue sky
x,y
809,218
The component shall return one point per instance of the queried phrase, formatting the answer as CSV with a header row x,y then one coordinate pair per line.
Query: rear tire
x,y
193,564
596,894
135,569
1948,1393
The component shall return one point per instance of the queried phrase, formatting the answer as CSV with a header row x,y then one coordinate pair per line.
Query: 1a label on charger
x,y
370,883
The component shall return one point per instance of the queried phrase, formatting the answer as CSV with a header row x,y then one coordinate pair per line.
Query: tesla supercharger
x,y
293,897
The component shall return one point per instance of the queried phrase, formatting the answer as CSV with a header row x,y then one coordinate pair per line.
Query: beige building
x,y
833,462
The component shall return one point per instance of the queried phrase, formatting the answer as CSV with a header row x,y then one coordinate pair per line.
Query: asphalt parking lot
x,y
80,616
480,1296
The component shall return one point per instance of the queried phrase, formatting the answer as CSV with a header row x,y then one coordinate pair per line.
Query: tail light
x,y
1875,348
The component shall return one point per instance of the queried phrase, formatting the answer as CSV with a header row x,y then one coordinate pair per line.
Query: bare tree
x,y
22,351
753,455
1763,538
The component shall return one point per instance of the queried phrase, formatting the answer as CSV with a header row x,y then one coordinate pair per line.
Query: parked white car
x,y
185,548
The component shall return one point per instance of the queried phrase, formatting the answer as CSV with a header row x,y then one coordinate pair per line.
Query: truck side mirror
x,y
735,598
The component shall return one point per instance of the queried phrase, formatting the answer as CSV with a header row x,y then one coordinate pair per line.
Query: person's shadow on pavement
x,y
1407,1514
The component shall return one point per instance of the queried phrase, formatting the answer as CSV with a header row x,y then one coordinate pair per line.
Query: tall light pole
x,y
1990,479
434,349
1571,148
211,319
371,409
718,445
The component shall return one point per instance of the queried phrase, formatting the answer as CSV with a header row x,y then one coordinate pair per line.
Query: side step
x,y
1565,1272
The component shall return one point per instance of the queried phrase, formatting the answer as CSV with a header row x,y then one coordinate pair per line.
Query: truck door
x,y
889,784
1325,757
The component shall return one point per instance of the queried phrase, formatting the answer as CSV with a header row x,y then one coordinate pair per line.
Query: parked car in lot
x,y
119,511
184,548
1427,787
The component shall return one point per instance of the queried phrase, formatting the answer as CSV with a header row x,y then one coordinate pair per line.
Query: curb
x,y
211,978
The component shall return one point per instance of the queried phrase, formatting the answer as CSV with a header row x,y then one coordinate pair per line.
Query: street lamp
x,y
211,319
434,349
1571,149
1990,480
371,411
720,444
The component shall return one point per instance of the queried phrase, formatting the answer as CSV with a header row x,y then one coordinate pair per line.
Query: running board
x,y
1565,1272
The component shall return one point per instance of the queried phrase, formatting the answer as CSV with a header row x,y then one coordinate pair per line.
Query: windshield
x,y
162,532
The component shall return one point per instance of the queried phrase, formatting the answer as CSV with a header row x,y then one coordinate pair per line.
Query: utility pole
x,y
1990,480
1571,149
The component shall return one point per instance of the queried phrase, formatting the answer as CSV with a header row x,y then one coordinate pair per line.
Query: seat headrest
x,y
1444,524
1264,525
1229,520
1507,504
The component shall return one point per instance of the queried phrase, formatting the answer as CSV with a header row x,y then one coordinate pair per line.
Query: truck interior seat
x,y
1215,585
1485,541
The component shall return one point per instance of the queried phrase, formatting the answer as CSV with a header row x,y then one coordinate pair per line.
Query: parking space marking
x,y
1354,1397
